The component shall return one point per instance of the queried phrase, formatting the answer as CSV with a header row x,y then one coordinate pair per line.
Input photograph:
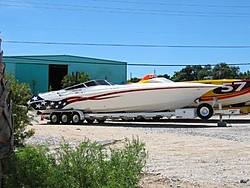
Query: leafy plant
x,y
20,93
28,164
125,166
73,79
87,165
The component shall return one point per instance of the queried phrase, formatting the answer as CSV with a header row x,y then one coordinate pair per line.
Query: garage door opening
x,y
56,74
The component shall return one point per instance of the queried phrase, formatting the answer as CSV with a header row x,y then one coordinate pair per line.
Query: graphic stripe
x,y
117,93
226,96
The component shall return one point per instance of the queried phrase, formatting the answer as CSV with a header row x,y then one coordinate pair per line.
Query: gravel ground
x,y
180,155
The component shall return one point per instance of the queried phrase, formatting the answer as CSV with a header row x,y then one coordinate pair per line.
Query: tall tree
x,y
204,73
245,75
197,72
188,73
223,71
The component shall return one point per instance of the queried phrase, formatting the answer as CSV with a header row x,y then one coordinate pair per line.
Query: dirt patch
x,y
179,155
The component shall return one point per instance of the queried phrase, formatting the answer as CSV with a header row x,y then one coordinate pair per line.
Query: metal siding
x,y
36,68
113,71
33,73
10,68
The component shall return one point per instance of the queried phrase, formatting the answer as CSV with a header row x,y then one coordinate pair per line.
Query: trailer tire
x,y
90,121
76,119
65,118
205,111
101,120
55,118
156,119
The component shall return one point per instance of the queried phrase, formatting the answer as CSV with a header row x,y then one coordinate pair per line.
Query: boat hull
x,y
157,99
123,98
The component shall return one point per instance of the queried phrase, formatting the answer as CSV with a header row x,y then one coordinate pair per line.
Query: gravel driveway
x,y
180,154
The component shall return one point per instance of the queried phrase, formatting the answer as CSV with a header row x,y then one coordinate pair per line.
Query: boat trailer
x,y
204,111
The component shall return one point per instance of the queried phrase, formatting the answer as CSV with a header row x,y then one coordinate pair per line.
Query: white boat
x,y
99,96
230,92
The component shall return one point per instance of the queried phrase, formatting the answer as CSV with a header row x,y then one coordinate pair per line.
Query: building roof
x,y
47,59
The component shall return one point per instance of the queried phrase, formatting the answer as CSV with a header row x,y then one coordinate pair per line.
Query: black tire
x,y
55,117
101,120
65,118
140,119
76,119
90,121
156,119
205,111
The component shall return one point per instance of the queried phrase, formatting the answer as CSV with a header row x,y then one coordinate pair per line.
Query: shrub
x,y
87,165
73,79
20,93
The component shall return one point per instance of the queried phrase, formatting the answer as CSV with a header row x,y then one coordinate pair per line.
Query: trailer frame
x,y
76,116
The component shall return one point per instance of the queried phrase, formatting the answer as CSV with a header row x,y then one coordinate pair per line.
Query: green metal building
x,y
46,71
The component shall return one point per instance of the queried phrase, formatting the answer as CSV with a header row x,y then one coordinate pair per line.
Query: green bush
x,y
73,79
20,93
87,165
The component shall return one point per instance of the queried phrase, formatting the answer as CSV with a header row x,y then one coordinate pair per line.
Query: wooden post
x,y
6,124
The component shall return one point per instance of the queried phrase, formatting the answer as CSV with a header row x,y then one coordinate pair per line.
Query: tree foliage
x,y
134,80
74,78
245,75
222,71
164,75
187,73
198,72
20,94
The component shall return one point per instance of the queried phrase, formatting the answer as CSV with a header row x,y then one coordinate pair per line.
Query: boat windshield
x,y
160,80
96,83
90,83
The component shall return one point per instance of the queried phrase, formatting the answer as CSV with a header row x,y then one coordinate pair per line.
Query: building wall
x,y
36,75
34,70
113,71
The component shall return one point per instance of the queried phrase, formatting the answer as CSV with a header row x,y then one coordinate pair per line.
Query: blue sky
x,y
181,24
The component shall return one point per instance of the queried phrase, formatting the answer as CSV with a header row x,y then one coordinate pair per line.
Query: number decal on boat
x,y
230,87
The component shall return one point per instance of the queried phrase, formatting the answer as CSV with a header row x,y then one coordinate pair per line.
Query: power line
x,y
176,4
106,9
128,45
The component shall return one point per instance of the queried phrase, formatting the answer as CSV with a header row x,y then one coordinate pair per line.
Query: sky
x,y
160,36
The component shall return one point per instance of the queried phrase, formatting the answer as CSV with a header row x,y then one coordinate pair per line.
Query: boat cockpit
x,y
90,83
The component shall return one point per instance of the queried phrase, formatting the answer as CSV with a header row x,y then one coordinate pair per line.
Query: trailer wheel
x,y
55,118
66,118
101,120
156,119
90,121
140,118
205,111
76,119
